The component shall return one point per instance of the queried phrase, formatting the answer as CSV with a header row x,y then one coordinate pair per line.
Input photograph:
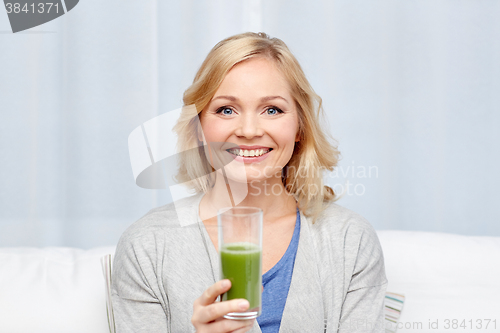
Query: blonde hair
x,y
313,154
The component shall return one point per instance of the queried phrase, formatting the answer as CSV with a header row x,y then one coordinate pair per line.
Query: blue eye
x,y
273,111
225,110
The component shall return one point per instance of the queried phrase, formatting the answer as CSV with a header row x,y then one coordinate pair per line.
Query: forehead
x,y
258,75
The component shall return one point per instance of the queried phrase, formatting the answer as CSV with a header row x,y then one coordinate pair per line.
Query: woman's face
x,y
251,122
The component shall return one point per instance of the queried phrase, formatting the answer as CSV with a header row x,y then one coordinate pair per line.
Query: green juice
x,y
240,263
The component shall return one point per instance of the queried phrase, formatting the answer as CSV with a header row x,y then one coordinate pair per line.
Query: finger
x,y
212,292
245,329
217,310
229,325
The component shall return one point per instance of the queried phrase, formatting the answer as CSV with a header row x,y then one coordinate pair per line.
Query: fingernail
x,y
225,283
243,305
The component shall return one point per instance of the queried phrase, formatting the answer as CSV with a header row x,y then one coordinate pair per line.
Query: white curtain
x,y
411,90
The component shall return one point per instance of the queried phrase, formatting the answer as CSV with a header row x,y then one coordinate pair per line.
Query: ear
x,y
297,136
199,133
199,129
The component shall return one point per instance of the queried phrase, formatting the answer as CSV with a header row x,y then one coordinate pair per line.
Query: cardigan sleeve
x,y
137,302
363,307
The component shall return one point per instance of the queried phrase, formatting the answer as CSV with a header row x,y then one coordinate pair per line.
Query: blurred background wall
x,y
411,90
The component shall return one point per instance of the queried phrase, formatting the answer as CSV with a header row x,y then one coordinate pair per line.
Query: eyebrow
x,y
263,99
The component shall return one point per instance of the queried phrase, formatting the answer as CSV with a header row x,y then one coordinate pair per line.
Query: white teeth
x,y
248,153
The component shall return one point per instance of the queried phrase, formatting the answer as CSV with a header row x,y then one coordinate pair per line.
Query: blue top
x,y
276,283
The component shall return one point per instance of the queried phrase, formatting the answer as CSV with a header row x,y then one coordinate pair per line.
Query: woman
x,y
252,137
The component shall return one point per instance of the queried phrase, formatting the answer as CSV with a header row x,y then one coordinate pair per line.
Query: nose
x,y
249,126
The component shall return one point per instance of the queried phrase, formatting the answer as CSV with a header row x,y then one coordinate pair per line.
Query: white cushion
x,y
52,290
443,277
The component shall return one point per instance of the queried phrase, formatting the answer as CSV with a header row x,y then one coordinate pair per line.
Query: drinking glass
x,y
240,249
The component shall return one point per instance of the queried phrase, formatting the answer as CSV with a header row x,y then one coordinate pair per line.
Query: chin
x,y
248,174
244,180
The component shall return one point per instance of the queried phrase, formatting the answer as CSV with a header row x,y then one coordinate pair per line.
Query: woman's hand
x,y
208,314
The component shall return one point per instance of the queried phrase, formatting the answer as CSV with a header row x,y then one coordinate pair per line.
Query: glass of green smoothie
x,y
240,249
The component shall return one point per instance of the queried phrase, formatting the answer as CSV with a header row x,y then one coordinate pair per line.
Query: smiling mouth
x,y
249,153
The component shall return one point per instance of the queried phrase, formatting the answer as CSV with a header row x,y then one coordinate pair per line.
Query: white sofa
x,y
448,280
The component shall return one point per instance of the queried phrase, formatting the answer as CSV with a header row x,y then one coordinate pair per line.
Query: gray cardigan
x,y
165,260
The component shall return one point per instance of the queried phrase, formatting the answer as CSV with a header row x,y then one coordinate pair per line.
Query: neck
x,y
269,195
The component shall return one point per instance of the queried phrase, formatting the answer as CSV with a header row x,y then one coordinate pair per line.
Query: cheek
x,y
288,131
213,130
